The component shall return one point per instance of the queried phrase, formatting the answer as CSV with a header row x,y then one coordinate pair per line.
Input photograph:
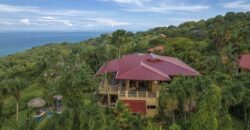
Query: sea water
x,y
12,42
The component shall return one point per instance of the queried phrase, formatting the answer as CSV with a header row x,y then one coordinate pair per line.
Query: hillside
x,y
212,47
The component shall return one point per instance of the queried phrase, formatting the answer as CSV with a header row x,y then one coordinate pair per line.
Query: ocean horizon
x,y
13,42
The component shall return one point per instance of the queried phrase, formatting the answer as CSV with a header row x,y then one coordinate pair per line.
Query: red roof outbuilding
x,y
244,61
147,67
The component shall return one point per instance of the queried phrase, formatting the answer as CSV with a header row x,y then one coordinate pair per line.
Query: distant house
x,y
159,49
163,35
134,80
244,62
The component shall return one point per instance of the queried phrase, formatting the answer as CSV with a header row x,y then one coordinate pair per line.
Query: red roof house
x,y
138,77
147,67
244,61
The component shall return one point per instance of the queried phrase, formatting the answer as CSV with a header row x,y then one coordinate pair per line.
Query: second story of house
x,y
139,75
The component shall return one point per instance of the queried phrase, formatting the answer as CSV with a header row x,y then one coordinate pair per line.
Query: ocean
x,y
13,42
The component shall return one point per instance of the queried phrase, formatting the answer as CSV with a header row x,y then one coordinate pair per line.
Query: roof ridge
x,y
154,70
147,67
184,67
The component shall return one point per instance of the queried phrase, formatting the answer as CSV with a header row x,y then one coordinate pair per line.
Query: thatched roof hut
x,y
36,103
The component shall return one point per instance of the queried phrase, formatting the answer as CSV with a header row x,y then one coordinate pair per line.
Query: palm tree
x,y
168,101
14,86
120,109
151,126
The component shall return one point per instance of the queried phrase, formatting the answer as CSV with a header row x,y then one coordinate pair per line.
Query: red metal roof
x,y
136,106
244,61
147,67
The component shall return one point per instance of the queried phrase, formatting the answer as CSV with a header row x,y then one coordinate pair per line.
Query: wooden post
x,y
107,89
127,85
137,85
157,94
126,93
108,94
154,86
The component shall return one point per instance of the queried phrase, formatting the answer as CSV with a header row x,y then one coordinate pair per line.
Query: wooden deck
x,y
150,95
128,94
137,94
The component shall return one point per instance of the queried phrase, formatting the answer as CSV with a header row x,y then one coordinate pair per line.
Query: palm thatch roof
x,y
36,103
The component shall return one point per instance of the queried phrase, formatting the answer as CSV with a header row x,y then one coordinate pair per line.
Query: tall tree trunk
x,y
185,117
246,118
28,119
108,90
173,118
17,111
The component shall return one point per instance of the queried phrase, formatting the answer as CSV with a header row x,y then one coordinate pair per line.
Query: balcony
x,y
129,92
137,94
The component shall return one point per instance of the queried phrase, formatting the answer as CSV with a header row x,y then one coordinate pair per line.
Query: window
x,y
151,107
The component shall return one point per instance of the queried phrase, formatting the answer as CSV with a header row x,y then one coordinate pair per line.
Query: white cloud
x,y
4,23
158,6
168,8
88,25
137,2
109,22
68,12
4,8
52,20
59,17
49,17
183,19
244,5
67,23
25,21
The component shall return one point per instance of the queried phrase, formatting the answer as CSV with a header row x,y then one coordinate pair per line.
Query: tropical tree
x,y
14,86
150,125
169,103
207,116
174,127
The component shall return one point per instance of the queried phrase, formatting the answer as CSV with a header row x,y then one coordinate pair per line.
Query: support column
x,y
155,86
137,85
108,93
127,85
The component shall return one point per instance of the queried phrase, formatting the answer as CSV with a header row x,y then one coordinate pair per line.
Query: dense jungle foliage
x,y
219,99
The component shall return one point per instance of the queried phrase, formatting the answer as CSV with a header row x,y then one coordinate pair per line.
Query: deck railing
x,y
122,93
137,94
110,89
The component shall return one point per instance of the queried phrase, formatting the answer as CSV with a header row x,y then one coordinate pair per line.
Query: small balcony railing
x,y
137,94
108,89
121,92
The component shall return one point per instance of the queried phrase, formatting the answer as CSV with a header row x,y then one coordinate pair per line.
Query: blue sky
x,y
80,15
